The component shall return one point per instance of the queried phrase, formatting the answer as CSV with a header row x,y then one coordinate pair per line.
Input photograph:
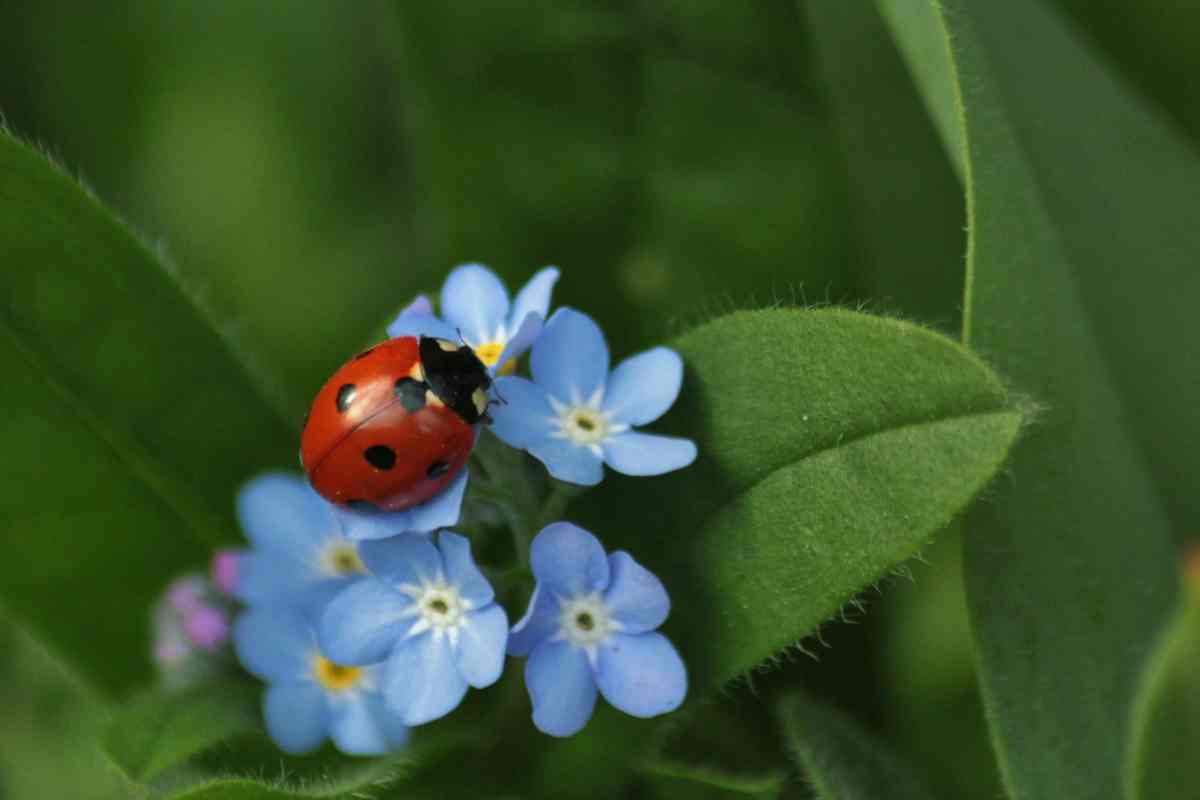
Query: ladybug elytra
x,y
395,425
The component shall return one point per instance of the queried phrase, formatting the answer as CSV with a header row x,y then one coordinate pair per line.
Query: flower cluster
x,y
365,623
191,625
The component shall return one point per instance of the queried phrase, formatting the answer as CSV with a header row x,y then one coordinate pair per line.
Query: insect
x,y
395,424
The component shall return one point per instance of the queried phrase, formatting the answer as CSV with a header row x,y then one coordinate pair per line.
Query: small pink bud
x,y
206,628
170,653
226,565
186,594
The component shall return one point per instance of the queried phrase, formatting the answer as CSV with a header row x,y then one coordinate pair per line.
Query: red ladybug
x,y
394,425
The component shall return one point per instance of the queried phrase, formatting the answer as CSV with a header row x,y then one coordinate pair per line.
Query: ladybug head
x,y
457,377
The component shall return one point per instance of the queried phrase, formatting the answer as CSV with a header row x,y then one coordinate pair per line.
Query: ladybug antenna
x,y
461,339
499,397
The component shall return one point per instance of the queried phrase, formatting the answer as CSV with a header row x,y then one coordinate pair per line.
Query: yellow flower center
x,y
335,677
342,559
489,353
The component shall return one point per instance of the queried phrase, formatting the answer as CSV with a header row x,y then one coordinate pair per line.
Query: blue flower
x,y
430,613
308,696
475,303
300,555
576,416
591,626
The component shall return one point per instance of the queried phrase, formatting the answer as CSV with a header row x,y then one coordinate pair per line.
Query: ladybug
x,y
395,425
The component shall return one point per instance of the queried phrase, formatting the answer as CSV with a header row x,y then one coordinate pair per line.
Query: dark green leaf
x,y
833,445
127,422
1069,571
1165,734
841,760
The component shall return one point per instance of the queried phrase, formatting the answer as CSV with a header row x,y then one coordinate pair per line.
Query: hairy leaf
x,y
128,423
1069,571
840,759
833,445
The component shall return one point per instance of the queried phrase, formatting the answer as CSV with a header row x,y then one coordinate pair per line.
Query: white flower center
x,y
440,605
340,558
584,621
584,423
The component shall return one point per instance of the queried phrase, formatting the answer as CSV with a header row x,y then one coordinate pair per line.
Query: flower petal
x,y
440,511
534,296
568,560
518,342
275,644
363,623
417,324
562,688
354,729
276,578
476,302
461,570
296,717
643,387
539,623
421,304
570,358
400,560
569,462
635,597
279,511
641,675
421,681
524,418
634,453
394,729
479,652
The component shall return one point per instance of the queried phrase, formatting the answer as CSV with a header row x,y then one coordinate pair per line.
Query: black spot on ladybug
x,y
437,469
364,353
359,505
345,396
380,456
411,394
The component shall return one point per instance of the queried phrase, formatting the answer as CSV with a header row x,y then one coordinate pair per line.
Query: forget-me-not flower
x,y
475,304
575,416
430,613
308,696
591,625
440,511
300,554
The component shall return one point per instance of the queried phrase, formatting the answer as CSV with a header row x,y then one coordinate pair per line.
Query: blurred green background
x,y
307,167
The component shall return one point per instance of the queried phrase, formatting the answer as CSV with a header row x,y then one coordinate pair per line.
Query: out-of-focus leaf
x,y
1165,735
833,445
1069,570
907,206
159,730
127,422
841,760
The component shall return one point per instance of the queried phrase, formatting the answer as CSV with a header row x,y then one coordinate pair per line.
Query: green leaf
x,y
1165,732
1076,193
160,730
840,759
833,445
128,422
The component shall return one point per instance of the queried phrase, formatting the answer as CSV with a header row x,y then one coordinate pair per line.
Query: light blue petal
x,y
534,296
461,571
279,511
539,623
474,301
641,675
635,597
394,729
480,649
421,304
296,717
562,688
523,418
363,623
353,728
401,560
440,511
568,561
570,358
568,461
421,681
643,387
421,325
272,577
634,453
520,340
275,644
